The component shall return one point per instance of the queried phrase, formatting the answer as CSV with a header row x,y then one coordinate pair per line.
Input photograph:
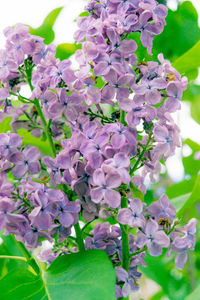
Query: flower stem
x,y
139,251
13,257
122,117
79,237
140,156
46,127
125,241
28,258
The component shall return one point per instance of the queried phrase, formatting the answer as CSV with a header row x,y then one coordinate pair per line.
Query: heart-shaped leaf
x,y
88,275
46,29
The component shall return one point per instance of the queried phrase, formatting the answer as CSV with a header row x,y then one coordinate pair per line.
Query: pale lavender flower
x,y
105,188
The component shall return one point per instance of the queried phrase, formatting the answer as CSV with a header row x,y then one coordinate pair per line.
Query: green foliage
x,y
65,50
180,34
5,125
159,269
9,247
28,139
181,31
189,61
136,193
194,295
69,277
46,29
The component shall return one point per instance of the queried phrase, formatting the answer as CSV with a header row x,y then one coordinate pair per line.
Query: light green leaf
x,y
65,50
193,145
28,139
180,201
192,199
84,276
46,29
159,269
194,295
136,193
5,125
189,61
180,188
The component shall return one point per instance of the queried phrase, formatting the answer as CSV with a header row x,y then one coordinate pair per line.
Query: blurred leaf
x,y
180,188
192,92
195,109
157,296
195,295
194,197
9,247
180,33
160,272
28,139
136,193
193,145
46,29
69,277
189,60
191,165
5,125
64,51
180,201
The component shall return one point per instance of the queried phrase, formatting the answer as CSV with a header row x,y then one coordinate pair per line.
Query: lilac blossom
x,y
154,238
26,161
133,216
104,189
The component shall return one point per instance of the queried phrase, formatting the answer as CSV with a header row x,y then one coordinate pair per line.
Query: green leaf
x,y
194,295
180,33
193,145
189,61
46,29
159,269
192,92
5,125
180,188
28,139
192,199
136,193
64,51
180,201
84,276
9,247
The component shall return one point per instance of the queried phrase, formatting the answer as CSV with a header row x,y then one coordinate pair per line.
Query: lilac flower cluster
x,y
108,125
156,229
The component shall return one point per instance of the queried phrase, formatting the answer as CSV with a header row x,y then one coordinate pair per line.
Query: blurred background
x,y
180,177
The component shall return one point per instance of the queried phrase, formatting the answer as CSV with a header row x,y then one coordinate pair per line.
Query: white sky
x,y
33,13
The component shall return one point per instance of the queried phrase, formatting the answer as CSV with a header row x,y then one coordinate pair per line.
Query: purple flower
x,y
129,279
7,65
40,216
26,161
120,163
174,92
147,91
105,188
93,150
8,142
53,170
68,212
154,238
7,206
133,216
105,63
61,71
162,209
